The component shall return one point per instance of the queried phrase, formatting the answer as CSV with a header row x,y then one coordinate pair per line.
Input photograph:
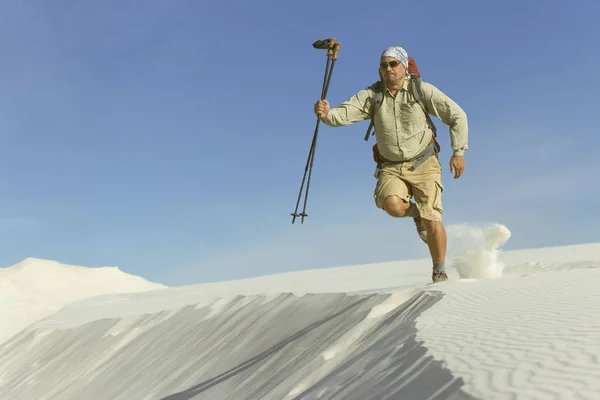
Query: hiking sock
x,y
439,266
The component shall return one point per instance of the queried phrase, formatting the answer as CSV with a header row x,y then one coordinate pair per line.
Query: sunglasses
x,y
392,64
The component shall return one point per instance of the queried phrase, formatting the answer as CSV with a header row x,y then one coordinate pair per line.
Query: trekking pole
x,y
332,54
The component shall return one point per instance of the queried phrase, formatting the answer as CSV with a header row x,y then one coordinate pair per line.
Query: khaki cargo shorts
x,y
424,183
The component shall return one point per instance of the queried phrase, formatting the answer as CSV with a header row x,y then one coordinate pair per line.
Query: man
x,y
404,140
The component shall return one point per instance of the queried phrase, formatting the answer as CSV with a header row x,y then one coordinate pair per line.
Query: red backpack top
x,y
412,68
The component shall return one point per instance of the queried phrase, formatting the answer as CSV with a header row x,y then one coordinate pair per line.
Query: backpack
x,y
414,87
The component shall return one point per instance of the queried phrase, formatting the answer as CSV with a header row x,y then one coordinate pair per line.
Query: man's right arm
x,y
353,110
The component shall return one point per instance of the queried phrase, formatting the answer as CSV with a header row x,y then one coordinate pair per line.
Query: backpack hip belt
x,y
430,150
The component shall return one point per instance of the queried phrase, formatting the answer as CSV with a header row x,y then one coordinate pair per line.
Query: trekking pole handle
x,y
331,46
336,50
324,44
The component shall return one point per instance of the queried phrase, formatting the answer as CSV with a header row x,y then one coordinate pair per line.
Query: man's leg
x,y
393,194
437,241
427,188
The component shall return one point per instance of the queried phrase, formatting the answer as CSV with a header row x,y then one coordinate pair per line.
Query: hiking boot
x,y
421,228
439,276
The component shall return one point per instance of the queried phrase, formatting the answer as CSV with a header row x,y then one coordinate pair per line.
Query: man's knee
x,y
395,206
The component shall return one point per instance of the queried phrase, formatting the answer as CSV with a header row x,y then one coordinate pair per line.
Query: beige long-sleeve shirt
x,y
400,124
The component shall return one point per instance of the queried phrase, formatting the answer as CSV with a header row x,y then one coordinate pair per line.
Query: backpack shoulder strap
x,y
375,101
414,87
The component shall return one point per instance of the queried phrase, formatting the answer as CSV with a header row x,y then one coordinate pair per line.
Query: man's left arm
x,y
450,113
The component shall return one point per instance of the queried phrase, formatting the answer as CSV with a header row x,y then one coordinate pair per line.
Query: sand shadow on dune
x,y
201,387
391,364
388,362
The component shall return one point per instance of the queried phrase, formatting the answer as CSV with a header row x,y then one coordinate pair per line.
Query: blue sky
x,y
170,138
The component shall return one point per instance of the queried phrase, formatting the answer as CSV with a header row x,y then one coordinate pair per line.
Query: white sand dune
x,y
36,288
527,328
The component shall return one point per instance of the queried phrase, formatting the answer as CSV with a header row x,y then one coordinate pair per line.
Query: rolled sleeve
x,y
353,110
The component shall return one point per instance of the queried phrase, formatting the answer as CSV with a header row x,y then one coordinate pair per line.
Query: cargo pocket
x,y
377,194
437,199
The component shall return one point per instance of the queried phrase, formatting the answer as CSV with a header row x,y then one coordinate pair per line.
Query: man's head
x,y
393,65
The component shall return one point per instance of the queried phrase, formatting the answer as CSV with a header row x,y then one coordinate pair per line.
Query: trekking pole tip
x,y
296,215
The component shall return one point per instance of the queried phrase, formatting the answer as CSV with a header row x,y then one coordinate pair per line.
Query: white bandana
x,y
398,53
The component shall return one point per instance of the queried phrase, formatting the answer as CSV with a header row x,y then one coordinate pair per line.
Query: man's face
x,y
392,70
